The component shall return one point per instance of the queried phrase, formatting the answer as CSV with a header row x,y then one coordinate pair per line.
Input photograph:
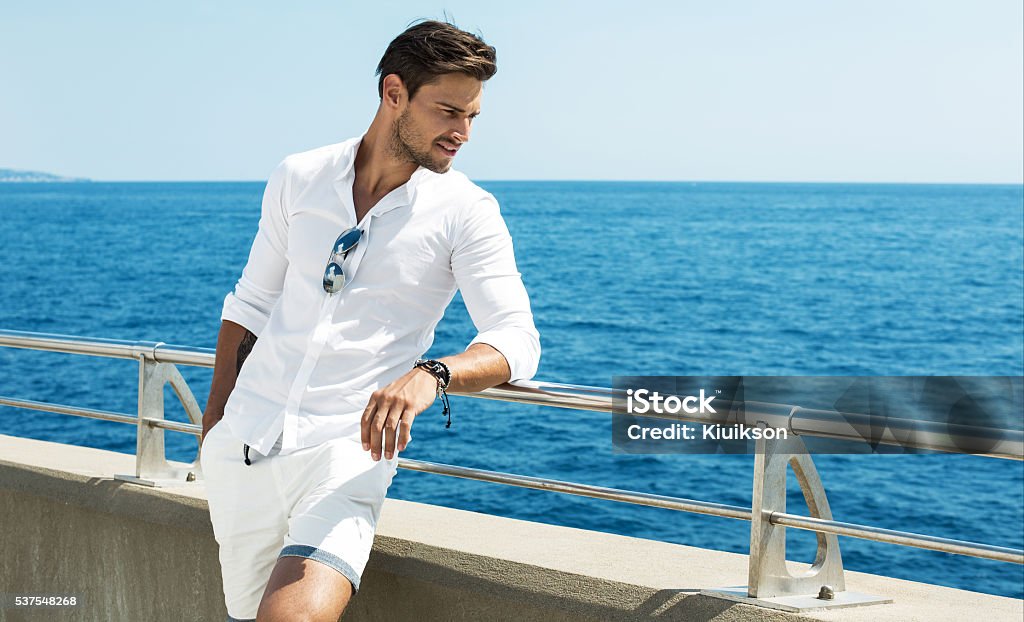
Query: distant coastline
x,y
8,175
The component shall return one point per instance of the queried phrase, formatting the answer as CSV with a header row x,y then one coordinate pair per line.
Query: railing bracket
x,y
770,582
151,465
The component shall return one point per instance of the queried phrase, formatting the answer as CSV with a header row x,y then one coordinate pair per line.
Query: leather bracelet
x,y
437,369
443,375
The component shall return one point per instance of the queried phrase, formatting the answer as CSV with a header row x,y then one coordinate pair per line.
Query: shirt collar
x,y
402,196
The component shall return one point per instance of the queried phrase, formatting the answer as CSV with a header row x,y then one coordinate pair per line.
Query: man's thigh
x,y
304,589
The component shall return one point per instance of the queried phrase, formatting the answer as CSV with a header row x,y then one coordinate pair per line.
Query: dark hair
x,y
430,49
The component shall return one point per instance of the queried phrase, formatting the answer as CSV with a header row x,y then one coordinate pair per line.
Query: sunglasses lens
x,y
347,240
334,278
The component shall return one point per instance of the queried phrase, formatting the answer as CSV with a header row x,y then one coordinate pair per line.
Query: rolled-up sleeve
x,y
485,271
262,280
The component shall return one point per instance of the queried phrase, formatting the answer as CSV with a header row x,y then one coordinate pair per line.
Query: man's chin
x,y
437,167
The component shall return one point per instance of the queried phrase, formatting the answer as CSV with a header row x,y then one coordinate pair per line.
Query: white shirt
x,y
319,356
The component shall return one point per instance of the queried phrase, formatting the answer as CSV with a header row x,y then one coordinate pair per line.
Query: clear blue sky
x,y
803,90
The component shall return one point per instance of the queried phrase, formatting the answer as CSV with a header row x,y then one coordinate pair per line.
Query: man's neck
x,y
377,171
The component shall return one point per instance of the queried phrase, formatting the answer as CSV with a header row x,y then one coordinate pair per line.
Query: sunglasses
x,y
334,276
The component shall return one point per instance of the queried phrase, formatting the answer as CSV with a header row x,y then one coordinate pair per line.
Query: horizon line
x,y
623,181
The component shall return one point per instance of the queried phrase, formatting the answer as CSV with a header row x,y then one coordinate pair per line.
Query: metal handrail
x,y
62,409
867,532
798,421
540,393
864,532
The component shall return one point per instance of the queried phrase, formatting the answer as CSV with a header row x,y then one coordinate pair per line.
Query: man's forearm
x,y
385,426
479,367
234,343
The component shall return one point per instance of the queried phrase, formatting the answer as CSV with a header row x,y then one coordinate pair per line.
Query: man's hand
x,y
387,419
209,420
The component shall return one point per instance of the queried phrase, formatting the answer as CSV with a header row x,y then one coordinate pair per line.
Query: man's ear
x,y
393,92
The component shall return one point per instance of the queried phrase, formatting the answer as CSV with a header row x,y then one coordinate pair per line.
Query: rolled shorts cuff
x,y
324,557
230,619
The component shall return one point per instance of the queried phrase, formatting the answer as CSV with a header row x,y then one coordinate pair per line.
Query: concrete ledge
x,y
135,553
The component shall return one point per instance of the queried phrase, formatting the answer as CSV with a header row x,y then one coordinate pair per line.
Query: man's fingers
x,y
380,416
405,430
367,421
391,431
386,425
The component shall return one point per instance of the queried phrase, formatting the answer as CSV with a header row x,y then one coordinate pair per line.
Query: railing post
x,y
151,465
769,581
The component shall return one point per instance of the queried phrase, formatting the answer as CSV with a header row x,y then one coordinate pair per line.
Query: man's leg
x,y
304,589
335,495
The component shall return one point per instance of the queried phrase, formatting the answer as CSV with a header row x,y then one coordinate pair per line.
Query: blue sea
x,y
625,279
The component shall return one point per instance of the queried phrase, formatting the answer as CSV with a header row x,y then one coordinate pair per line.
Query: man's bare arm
x,y
234,343
244,348
387,419
479,367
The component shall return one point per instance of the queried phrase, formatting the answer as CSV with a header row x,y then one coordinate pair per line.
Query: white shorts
x,y
320,503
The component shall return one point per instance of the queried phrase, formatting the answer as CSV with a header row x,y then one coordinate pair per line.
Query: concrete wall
x,y
135,553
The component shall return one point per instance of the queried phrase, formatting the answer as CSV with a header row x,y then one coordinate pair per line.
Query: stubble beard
x,y
402,146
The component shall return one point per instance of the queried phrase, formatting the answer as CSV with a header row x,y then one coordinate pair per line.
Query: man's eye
x,y
450,113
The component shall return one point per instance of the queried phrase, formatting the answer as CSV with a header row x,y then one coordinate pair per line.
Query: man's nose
x,y
463,130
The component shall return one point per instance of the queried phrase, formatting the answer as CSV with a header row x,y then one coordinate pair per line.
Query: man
x,y
360,248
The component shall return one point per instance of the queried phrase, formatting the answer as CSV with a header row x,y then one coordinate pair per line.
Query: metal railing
x,y
770,584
